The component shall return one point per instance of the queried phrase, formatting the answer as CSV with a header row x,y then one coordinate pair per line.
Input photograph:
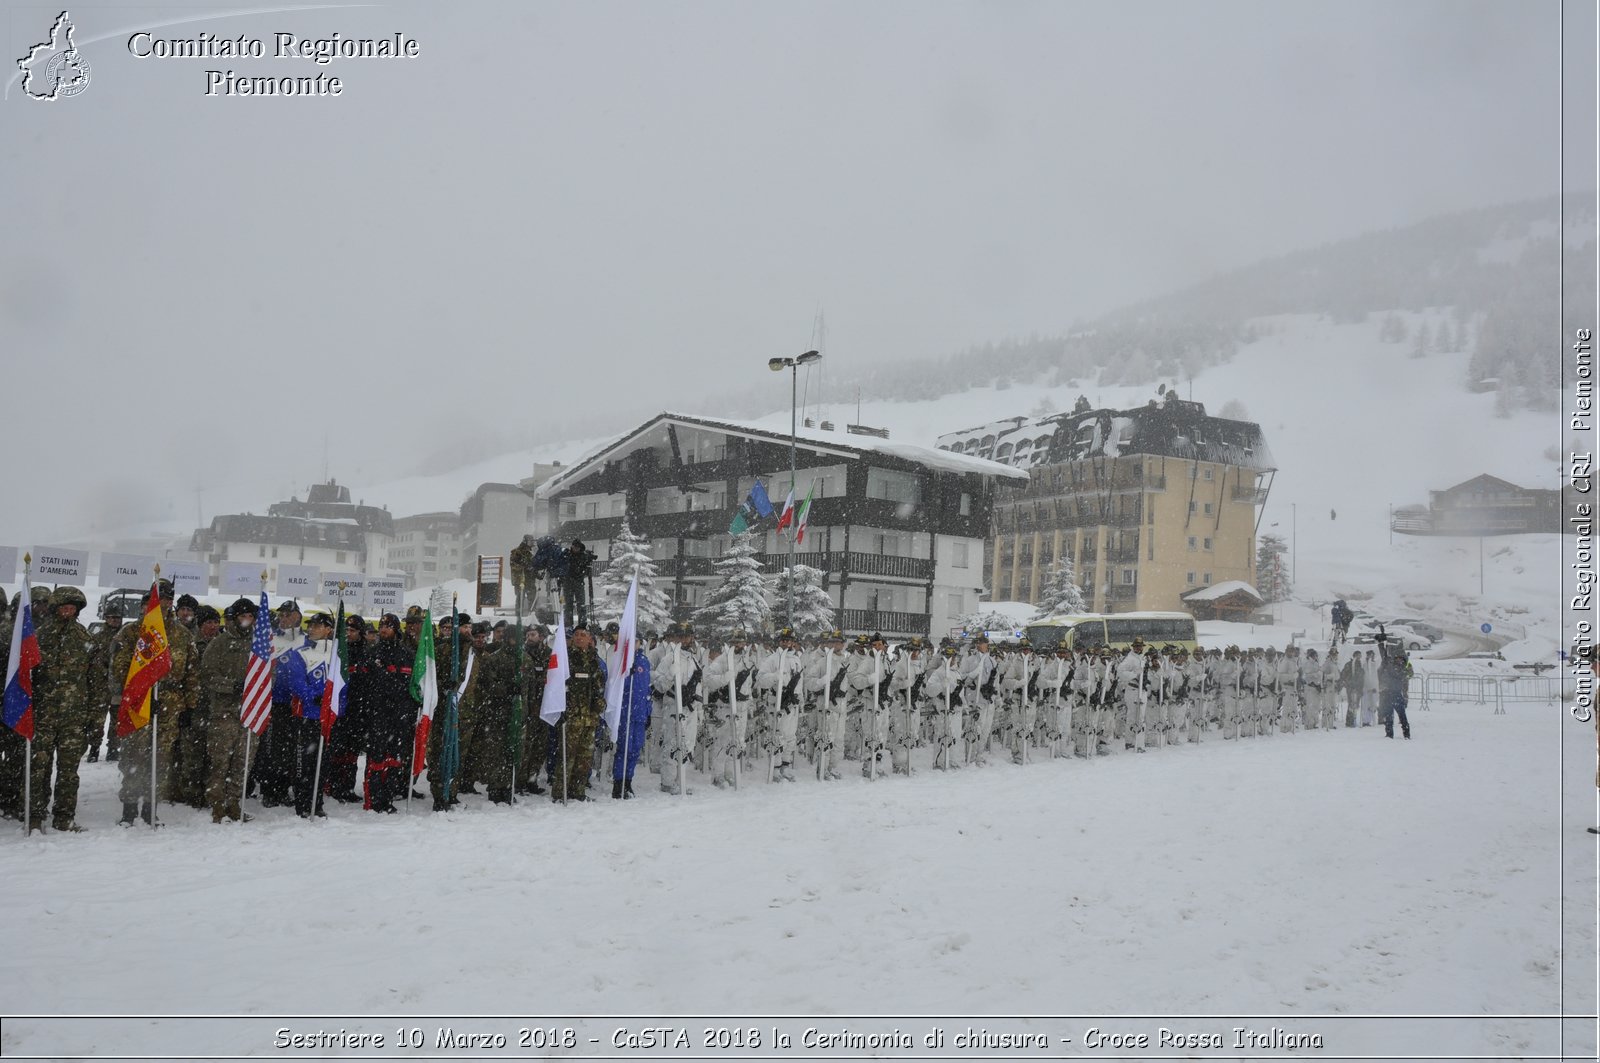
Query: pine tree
x,y
1272,569
630,553
740,602
985,620
1060,593
813,609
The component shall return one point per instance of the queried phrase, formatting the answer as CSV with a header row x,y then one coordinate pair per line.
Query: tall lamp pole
x,y
778,365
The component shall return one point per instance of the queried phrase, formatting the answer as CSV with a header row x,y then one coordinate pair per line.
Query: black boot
x,y
145,812
616,790
130,812
627,790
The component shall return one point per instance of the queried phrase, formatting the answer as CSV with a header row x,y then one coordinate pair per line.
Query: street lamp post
x,y
778,365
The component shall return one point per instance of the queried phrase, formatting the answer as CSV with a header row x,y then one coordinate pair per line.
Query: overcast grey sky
x,y
561,206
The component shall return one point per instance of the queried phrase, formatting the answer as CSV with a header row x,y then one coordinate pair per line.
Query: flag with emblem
x,y
256,709
18,710
152,659
752,509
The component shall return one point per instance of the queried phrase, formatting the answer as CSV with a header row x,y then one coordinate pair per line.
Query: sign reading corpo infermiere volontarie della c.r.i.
x,y
319,50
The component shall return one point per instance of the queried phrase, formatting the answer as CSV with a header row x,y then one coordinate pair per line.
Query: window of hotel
x,y
1189,578
958,555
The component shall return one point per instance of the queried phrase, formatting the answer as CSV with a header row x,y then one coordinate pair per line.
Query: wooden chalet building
x,y
898,530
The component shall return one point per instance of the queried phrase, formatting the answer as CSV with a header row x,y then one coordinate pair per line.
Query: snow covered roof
x,y
1170,427
1222,590
810,439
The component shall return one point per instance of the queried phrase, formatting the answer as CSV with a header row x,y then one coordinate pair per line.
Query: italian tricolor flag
x,y
805,511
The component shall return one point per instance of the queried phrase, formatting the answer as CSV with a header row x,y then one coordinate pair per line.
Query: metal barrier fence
x,y
1493,690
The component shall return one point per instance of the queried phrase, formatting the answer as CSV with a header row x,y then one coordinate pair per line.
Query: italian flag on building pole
x,y
805,511
425,689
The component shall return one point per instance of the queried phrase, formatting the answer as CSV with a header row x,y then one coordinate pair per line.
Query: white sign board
x,y
298,581
51,564
127,570
189,577
386,595
8,564
354,592
240,577
439,603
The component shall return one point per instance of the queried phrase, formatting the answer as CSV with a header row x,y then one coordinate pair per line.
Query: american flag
x,y
257,707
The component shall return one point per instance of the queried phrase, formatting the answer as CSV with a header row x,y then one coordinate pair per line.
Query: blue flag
x,y
752,509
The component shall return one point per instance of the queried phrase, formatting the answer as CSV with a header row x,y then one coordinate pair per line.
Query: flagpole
x,y
27,789
777,710
827,707
677,727
733,712
565,775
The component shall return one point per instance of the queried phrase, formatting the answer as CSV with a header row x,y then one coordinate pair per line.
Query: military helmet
x,y
164,589
1024,644
863,640
947,651
38,596
238,606
67,595
786,634
415,614
833,636
206,614
355,622
112,609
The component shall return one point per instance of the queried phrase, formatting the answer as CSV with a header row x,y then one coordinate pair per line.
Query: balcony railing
x,y
884,621
1254,495
855,563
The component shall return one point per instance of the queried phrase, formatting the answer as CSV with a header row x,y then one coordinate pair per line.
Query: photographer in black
x,y
577,585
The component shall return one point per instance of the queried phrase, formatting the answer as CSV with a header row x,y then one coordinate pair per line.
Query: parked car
x,y
1366,634
1421,627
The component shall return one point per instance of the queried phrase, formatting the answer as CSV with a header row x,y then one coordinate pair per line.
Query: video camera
x,y
1389,649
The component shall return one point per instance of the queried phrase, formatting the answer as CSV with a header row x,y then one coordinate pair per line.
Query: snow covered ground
x,y
1295,878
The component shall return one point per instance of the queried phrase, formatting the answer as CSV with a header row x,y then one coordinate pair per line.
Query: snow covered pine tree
x,y
1060,593
630,553
813,609
740,601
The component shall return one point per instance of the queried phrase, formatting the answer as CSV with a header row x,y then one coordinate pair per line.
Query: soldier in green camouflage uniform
x,y
496,698
477,647
222,671
102,717
175,694
190,768
60,705
586,700
535,732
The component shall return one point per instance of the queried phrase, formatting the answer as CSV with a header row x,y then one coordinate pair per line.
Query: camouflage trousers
x,y
580,730
225,737
58,741
135,760
13,758
535,747
189,769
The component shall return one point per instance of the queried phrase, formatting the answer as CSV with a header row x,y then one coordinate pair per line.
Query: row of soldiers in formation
x,y
726,708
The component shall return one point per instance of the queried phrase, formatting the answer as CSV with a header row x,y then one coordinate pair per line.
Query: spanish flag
x,y
152,659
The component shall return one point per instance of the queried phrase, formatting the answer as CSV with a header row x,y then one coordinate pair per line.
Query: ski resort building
x,y
1150,504
898,530
497,516
327,530
427,548
1488,505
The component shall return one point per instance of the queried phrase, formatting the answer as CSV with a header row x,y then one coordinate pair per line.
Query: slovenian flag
x,y
805,512
19,667
425,689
